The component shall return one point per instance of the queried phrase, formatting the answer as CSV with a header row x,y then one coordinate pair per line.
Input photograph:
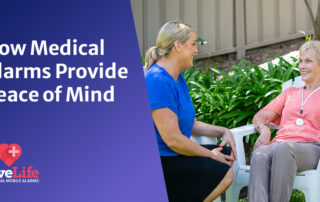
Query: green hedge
x,y
231,99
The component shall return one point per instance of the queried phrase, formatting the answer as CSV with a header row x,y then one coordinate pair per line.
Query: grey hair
x,y
311,45
169,33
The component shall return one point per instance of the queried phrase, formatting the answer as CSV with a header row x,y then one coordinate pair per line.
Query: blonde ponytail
x,y
169,33
151,57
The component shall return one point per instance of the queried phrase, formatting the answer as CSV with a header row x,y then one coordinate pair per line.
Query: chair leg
x,y
307,195
313,195
311,192
233,192
218,199
314,189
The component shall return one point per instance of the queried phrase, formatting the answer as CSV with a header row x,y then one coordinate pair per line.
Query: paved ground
x,y
256,56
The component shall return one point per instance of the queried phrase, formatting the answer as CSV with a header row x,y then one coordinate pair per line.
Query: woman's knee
x,y
283,149
228,178
259,156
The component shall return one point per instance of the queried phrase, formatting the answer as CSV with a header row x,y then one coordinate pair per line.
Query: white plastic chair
x,y
307,181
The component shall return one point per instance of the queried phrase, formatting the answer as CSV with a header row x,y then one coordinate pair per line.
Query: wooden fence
x,y
229,26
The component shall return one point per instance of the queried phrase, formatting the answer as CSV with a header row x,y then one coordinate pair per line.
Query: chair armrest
x,y
203,140
273,126
238,134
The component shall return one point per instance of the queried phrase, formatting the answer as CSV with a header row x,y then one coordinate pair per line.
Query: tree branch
x,y
318,12
311,15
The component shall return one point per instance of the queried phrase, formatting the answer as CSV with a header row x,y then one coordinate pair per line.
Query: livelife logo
x,y
25,174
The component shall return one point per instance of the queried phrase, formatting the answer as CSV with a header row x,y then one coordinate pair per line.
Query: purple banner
x,y
57,149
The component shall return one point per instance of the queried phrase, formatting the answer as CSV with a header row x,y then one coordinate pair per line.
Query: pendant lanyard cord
x,y
304,102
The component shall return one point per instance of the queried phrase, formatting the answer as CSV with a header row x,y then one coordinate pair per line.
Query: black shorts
x,y
192,178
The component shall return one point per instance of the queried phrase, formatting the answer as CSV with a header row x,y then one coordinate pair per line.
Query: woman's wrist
x,y
265,132
223,131
261,126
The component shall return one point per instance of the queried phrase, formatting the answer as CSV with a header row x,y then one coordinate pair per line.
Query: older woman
x,y
296,146
192,172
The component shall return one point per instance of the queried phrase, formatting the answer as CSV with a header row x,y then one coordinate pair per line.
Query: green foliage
x,y
297,196
231,99
143,61
306,36
201,41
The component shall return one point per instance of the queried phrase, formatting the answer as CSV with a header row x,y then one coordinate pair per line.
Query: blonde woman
x,y
192,172
296,147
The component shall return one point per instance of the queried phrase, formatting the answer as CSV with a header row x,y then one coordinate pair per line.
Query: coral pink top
x,y
288,105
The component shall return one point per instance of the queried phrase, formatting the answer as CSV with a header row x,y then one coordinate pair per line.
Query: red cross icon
x,y
13,151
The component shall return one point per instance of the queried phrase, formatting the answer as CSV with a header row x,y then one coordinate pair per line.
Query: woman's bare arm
x,y
204,129
166,122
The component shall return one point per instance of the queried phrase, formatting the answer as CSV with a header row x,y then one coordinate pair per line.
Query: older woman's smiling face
x,y
309,66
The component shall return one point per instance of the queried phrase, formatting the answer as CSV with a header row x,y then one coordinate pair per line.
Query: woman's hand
x,y
217,155
227,138
264,138
264,116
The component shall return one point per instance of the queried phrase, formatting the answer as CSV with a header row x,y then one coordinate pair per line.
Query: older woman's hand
x,y
227,138
264,138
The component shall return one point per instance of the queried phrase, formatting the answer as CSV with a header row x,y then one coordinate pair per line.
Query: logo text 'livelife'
x,y
26,174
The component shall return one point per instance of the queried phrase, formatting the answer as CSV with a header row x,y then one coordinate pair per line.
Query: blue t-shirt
x,y
164,92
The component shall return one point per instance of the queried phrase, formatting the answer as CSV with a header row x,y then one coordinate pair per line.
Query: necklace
x,y
300,121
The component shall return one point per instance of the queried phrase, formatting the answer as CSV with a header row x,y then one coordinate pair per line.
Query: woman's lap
x,y
306,154
273,168
192,178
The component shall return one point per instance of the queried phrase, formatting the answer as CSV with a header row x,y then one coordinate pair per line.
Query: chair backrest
x,y
296,83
